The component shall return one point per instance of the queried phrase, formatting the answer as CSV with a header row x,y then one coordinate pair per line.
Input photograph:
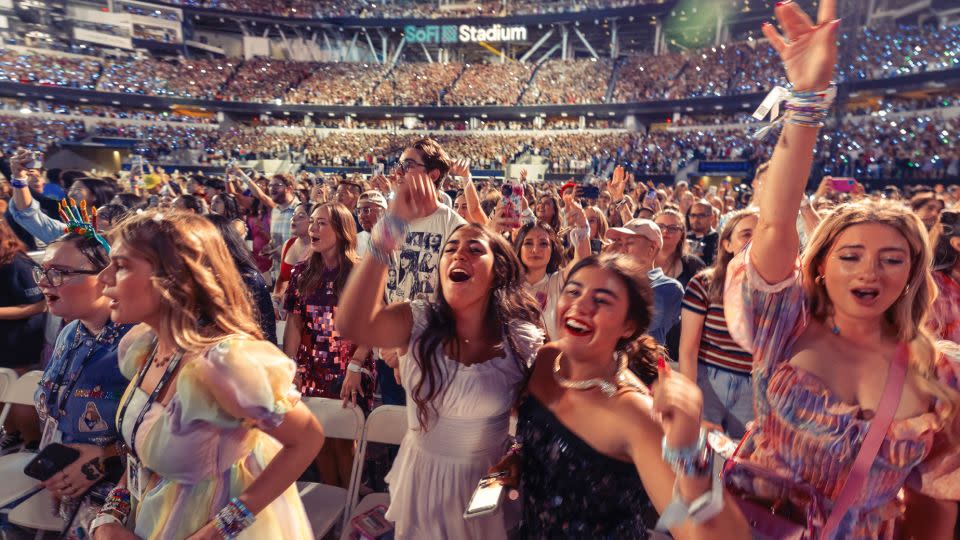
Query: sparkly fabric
x,y
323,355
806,432
945,314
570,490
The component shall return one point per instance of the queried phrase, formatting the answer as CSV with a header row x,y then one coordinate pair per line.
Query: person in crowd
x,y
928,207
597,220
461,377
22,306
217,437
608,480
708,354
348,194
281,194
825,336
702,236
548,211
945,313
370,209
79,392
673,257
96,191
190,203
460,205
253,280
31,214
296,249
312,336
225,204
423,160
641,240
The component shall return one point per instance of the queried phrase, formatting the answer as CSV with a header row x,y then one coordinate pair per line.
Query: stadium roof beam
x,y
548,54
564,39
396,54
526,56
426,53
586,43
373,50
614,39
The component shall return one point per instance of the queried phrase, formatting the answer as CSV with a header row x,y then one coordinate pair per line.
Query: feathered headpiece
x,y
80,222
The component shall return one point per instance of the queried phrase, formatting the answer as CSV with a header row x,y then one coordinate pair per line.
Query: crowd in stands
x,y
48,70
558,82
340,83
415,84
185,78
261,79
37,133
489,84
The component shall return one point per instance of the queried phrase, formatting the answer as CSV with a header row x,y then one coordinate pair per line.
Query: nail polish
x,y
661,364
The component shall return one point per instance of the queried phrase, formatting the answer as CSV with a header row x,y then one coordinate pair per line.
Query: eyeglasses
x,y
406,164
364,210
55,276
671,228
699,216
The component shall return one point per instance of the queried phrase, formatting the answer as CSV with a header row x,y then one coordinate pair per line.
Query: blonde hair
x,y
202,296
908,315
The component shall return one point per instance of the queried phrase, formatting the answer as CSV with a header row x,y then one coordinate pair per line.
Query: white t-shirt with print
x,y
416,276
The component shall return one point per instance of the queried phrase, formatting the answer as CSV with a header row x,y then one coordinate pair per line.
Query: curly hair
x,y
202,296
10,245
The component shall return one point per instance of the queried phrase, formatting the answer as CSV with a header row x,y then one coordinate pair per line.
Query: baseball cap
x,y
639,227
373,197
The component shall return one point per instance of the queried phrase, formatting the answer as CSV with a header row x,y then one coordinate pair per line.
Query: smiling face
x,y
129,284
79,293
592,313
466,269
545,210
535,251
866,270
323,237
929,212
280,192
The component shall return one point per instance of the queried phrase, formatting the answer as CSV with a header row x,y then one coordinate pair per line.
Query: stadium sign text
x,y
465,33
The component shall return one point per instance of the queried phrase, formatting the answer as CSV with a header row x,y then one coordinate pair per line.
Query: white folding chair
x,y
15,484
326,505
387,424
37,513
7,378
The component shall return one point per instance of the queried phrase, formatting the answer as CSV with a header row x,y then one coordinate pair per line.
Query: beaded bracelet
x,y
17,183
807,109
694,460
233,519
387,236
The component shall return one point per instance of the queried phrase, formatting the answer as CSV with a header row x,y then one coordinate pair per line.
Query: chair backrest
x,y
387,424
22,391
338,422
7,378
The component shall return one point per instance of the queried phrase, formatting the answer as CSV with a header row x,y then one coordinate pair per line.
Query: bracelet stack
x,y
694,460
808,109
233,518
17,183
387,236
115,509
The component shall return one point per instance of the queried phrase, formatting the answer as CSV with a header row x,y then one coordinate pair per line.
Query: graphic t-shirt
x,y
415,277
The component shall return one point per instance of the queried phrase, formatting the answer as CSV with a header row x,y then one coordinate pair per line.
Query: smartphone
x,y
52,459
378,169
651,195
512,204
487,496
844,185
35,161
372,524
588,192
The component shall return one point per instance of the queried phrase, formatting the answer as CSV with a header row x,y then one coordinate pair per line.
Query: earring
x,y
906,290
818,280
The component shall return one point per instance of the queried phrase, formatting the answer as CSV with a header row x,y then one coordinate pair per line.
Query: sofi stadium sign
x,y
465,33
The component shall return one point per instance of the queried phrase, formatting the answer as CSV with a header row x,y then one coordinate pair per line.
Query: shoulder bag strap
x,y
871,442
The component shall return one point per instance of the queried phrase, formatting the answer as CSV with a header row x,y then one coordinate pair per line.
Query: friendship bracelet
x,y
807,109
233,519
693,460
387,236
17,183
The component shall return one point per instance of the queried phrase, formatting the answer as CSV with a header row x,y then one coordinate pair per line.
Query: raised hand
x,y
416,198
617,184
460,168
808,50
575,217
679,403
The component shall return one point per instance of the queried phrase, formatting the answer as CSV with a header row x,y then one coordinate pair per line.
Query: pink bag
x,y
793,510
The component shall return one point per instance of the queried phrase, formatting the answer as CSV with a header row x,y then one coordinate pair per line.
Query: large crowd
x,y
729,69
190,354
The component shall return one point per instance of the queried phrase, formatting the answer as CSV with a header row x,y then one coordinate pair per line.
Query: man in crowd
x,y
370,207
641,240
281,193
703,235
347,194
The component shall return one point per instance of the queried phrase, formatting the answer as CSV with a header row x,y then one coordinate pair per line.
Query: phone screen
x,y
512,195
486,497
843,184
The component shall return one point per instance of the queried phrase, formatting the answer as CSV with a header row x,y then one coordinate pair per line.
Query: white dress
x,y
437,470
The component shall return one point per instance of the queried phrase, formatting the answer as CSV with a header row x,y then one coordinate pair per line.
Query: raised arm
x,y
809,53
255,190
461,168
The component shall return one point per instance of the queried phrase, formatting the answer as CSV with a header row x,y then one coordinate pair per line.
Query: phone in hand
x,y
651,196
378,169
844,185
34,161
52,459
512,204
372,524
487,496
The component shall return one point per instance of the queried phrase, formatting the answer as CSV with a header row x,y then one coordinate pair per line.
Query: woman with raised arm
x,y
463,360
215,433
832,337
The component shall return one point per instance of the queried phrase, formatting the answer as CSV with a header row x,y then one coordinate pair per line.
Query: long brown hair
x,y
10,245
908,315
716,275
676,258
346,232
202,297
509,304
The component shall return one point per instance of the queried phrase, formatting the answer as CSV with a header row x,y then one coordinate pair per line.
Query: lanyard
x,y
55,398
164,380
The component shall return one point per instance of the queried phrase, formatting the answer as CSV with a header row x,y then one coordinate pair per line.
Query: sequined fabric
x,y
570,490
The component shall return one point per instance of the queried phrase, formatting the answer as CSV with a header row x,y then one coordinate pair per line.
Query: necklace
x,y
607,387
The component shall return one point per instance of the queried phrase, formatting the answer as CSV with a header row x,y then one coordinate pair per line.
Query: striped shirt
x,y
717,348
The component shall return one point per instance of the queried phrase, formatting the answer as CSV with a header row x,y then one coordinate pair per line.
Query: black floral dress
x,y
570,490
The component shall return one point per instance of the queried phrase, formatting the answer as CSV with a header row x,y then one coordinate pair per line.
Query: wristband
x,y
693,460
808,109
103,519
233,519
387,236
17,183
354,368
701,509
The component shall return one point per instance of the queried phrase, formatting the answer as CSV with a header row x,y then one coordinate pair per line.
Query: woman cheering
x,y
215,432
464,359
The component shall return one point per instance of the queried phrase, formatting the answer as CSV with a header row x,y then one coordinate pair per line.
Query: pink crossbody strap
x,y
872,441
